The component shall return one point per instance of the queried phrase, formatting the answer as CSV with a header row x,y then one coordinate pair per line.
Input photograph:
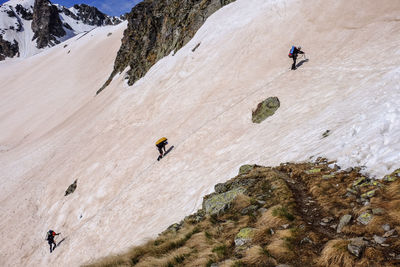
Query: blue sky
x,y
109,7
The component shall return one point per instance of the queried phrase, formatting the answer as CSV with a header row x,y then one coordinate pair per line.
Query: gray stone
x,y
244,236
285,226
357,246
350,169
386,227
306,240
365,218
262,210
327,219
343,222
249,209
379,239
261,202
385,245
214,265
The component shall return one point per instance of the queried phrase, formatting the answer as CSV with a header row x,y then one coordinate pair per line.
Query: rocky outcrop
x,y
46,24
155,29
23,12
8,49
92,16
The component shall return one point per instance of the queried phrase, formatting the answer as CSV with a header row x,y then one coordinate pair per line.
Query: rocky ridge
x,y
50,24
296,214
157,28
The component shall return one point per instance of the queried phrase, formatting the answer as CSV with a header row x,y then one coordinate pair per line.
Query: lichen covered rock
x,y
244,236
217,203
265,109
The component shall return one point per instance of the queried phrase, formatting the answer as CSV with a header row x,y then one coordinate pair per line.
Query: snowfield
x,y
55,130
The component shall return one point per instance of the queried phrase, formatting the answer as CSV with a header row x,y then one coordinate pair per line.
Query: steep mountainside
x,y
341,103
28,26
155,29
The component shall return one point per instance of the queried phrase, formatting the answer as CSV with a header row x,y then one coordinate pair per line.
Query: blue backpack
x,y
291,52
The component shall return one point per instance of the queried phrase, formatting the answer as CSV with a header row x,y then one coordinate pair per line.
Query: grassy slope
x,y
288,207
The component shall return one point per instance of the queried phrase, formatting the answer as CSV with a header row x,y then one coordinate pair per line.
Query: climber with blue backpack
x,y
293,53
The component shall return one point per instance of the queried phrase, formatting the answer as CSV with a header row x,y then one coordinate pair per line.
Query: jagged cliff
x,y
155,29
46,24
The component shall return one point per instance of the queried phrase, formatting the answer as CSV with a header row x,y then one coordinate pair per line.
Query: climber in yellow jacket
x,y
160,144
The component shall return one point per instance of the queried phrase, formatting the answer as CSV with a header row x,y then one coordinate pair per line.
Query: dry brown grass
x,y
256,256
241,201
173,258
279,250
335,254
268,220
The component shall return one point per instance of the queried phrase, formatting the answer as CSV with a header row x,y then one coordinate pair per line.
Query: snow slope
x,y
55,131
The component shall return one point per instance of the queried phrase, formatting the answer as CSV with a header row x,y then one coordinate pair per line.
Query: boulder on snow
x,y
265,109
71,188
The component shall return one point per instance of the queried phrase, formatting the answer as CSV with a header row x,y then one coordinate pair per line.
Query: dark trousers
x,y
294,62
51,243
160,148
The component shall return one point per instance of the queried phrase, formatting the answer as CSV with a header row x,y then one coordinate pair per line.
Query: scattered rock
x,y
285,226
343,222
306,240
109,34
265,109
385,245
379,239
244,236
249,209
348,170
327,219
71,188
351,191
369,194
357,246
312,171
326,134
359,181
365,218
262,210
378,211
328,176
386,227
217,203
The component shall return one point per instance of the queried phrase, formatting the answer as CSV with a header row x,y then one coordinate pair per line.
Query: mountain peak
x,y
28,26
